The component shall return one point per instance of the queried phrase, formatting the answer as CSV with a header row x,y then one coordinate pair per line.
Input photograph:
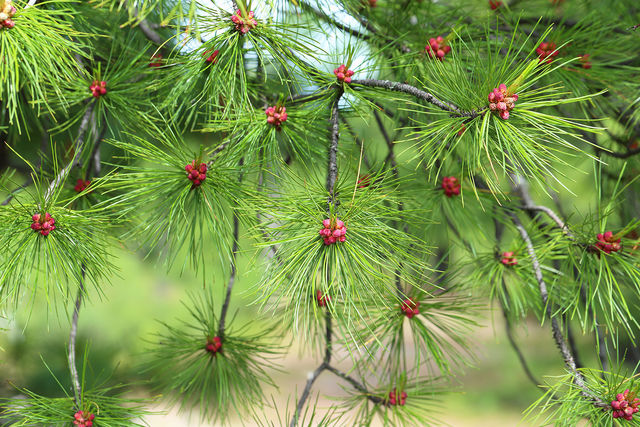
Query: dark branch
x,y
232,276
420,94
567,355
75,380
332,173
357,385
82,130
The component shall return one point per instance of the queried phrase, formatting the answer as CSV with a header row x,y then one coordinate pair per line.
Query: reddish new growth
x,y
410,307
81,185
196,172
276,115
547,51
43,224
7,13
98,88
364,181
156,60
213,58
322,299
397,398
451,186
244,24
333,231
494,4
83,419
437,48
373,3
625,405
462,129
343,74
509,259
214,345
608,243
584,61
501,102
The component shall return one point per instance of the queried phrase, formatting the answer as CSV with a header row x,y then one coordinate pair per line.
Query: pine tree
x,y
390,166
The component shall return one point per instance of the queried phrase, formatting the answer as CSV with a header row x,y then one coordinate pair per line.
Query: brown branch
x,y
71,355
234,258
567,355
418,93
357,385
332,173
62,175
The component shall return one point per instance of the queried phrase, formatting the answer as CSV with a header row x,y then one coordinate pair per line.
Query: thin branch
x,y
315,374
62,175
357,385
420,94
567,355
75,380
332,173
147,29
330,20
551,214
234,258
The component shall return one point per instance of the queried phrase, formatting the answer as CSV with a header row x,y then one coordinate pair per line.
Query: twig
x,y
420,94
315,374
551,214
147,29
232,277
234,258
332,173
567,355
62,175
330,20
77,390
356,384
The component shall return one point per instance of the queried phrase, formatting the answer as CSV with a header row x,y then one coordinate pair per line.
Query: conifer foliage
x,y
391,167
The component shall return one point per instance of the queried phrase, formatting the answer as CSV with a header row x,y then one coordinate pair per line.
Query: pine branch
x,y
75,380
332,174
331,21
147,29
232,277
82,130
315,374
234,258
420,94
357,385
514,345
567,355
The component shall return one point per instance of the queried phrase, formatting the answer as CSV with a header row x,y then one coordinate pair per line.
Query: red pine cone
x,y
451,186
625,405
6,14
214,345
397,398
83,419
410,307
322,299
98,88
509,259
244,24
276,115
501,102
437,48
333,231
81,185
196,172
343,74
546,52
43,224
608,243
